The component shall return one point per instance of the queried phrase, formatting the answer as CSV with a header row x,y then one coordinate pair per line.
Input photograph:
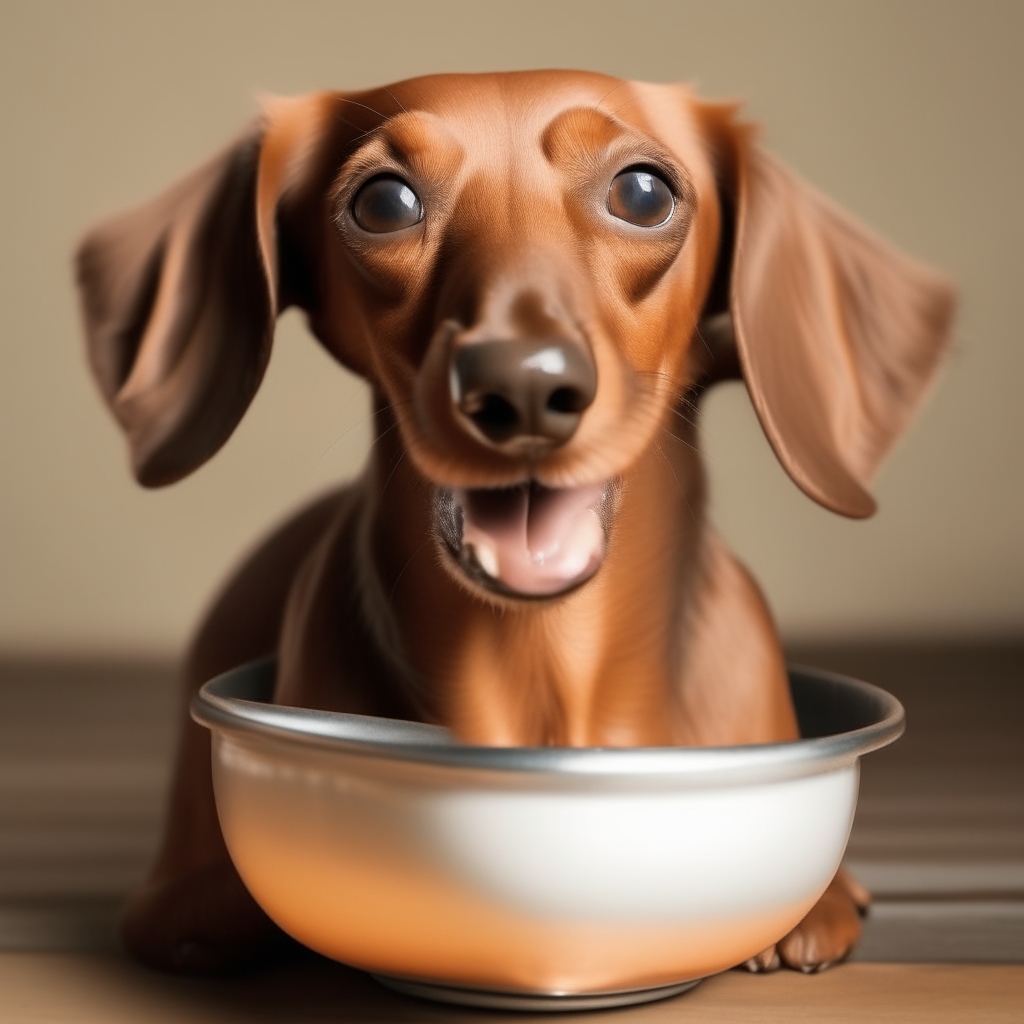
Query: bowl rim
x,y
237,703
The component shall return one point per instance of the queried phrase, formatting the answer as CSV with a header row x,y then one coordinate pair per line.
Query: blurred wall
x,y
908,113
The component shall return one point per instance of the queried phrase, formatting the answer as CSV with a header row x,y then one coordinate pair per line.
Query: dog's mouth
x,y
529,540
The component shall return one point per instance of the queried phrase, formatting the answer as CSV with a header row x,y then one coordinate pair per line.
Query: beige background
x,y
908,113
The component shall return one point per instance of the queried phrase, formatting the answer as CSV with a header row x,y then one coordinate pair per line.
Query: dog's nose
x,y
523,389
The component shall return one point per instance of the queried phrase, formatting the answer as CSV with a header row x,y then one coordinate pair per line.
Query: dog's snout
x,y
523,389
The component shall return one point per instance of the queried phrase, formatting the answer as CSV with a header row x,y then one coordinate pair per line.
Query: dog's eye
x,y
386,204
640,197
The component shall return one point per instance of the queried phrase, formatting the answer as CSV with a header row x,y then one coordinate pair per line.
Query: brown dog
x,y
539,274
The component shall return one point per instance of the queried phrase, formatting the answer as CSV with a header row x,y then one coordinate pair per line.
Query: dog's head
x,y
532,269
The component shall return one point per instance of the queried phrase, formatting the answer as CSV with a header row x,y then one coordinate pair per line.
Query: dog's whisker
x,y
362,132
614,88
366,448
664,375
710,457
366,134
703,340
415,481
354,126
382,434
341,437
401,573
398,102
369,417
372,415
356,103
672,469
684,443
691,421
682,490
698,423
625,105
398,462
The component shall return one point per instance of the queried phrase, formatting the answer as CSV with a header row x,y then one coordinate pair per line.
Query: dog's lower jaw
x,y
528,542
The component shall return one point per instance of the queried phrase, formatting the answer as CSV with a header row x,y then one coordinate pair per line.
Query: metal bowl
x,y
534,877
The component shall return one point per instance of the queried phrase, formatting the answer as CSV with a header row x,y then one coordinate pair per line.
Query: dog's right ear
x,y
180,294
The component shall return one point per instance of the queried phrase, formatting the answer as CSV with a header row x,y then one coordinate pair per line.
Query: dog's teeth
x,y
487,559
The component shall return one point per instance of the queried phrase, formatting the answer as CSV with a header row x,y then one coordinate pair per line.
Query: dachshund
x,y
539,274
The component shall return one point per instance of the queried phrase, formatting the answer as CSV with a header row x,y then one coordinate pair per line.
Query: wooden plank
x,y
37,988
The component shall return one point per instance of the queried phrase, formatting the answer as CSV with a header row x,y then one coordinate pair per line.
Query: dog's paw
x,y
828,933
826,936
766,961
203,922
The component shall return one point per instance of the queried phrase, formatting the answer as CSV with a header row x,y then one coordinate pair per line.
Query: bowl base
x,y
530,1001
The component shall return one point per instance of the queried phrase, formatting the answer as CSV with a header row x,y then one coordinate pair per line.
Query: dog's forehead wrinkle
x,y
409,138
580,131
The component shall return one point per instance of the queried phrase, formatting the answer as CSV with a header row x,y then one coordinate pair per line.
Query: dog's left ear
x,y
180,294
838,335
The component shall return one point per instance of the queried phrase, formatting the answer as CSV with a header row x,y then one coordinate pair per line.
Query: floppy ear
x,y
838,335
179,296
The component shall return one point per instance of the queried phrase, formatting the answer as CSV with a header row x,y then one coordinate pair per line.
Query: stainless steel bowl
x,y
534,877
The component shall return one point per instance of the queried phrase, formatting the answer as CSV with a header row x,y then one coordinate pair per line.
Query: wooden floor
x,y
45,988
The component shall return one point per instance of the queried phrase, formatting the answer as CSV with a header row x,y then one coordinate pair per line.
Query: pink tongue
x,y
535,540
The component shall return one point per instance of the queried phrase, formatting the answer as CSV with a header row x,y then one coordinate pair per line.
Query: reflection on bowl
x,y
534,877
